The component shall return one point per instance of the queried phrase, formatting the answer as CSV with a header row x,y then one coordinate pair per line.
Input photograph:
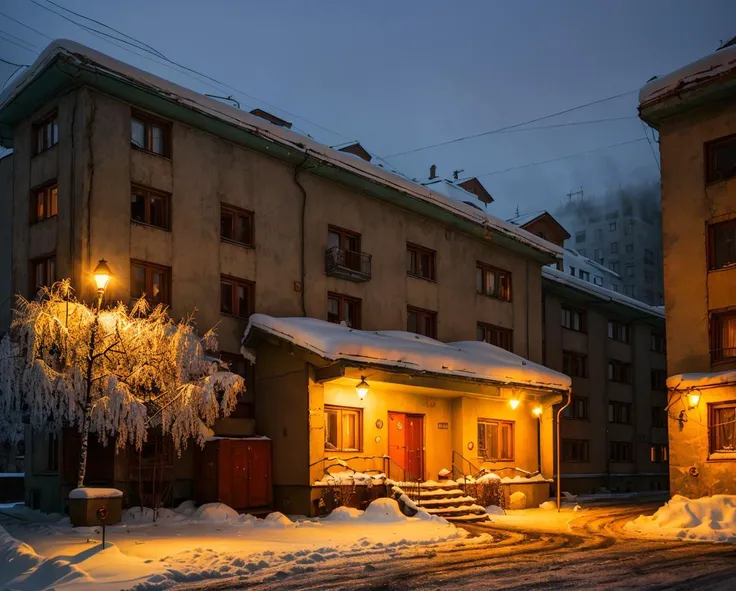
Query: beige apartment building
x,y
694,111
198,205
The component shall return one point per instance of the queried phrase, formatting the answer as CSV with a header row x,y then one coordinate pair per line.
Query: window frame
x,y
620,408
657,342
713,407
566,445
619,331
341,299
149,121
500,423
414,253
709,160
422,313
149,268
236,213
51,118
578,409
581,360
659,417
235,282
498,274
149,194
502,333
35,285
712,229
619,446
658,379
617,370
572,311
716,355
340,411
658,453
45,188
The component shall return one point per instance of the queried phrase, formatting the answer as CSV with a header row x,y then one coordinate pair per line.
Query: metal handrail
x,y
357,261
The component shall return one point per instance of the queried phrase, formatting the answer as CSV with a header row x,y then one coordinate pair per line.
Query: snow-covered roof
x,y
87,58
397,349
573,257
706,69
525,218
688,381
600,292
452,191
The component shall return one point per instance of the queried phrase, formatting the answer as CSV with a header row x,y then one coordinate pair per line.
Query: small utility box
x,y
85,504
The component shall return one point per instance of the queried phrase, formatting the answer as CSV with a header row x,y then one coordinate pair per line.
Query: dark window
x,y
575,450
659,417
44,202
579,237
722,427
620,451
236,225
342,308
150,281
422,322
614,266
612,227
614,247
722,244
598,255
629,271
347,241
619,372
150,134
239,365
618,331
236,296
148,206
629,249
420,262
723,336
574,364
648,257
343,428
630,290
495,439
46,133
495,335
658,453
43,273
658,342
659,379
573,319
720,159
629,227
584,275
493,282
598,280
578,409
619,412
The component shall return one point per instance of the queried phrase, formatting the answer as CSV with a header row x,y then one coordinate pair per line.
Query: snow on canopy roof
x,y
525,218
465,359
573,256
600,292
91,59
706,69
688,381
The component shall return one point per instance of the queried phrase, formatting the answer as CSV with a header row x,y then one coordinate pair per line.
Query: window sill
x,y
226,315
44,150
729,267
415,276
36,222
722,456
492,297
144,151
723,362
236,243
147,225
575,330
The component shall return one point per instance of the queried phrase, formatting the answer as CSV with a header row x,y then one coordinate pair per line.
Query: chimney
x,y
433,172
271,118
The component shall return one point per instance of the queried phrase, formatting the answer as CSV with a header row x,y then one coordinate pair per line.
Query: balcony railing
x,y
347,264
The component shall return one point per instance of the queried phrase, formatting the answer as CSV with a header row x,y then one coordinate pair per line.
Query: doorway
x,y
406,446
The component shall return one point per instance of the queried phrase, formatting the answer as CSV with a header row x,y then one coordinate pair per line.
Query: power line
x,y
9,78
15,43
23,41
651,147
507,127
13,63
7,16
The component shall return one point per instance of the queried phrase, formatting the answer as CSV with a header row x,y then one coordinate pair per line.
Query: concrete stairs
x,y
445,499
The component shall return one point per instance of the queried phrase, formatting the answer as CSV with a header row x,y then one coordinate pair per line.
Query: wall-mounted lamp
x,y
514,403
693,398
537,411
362,388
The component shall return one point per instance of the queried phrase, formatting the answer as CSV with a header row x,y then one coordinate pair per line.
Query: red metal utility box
x,y
234,471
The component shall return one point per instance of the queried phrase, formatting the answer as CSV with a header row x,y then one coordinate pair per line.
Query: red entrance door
x,y
406,446
415,446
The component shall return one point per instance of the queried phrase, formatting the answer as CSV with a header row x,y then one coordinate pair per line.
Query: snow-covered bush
x,y
116,374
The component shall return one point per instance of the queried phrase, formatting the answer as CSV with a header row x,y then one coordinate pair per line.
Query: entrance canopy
x,y
409,352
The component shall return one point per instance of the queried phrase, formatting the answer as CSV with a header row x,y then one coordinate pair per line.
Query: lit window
x,y
44,202
236,225
46,133
492,282
343,428
495,440
236,296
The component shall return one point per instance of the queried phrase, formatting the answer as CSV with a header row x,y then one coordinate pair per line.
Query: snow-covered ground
x,y
188,544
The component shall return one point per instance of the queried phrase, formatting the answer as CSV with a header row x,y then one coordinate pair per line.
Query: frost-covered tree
x,y
115,374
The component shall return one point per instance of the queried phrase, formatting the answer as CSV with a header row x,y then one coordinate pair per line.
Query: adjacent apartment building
x,y
196,204
694,111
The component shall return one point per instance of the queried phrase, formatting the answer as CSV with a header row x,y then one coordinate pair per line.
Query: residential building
x,y
693,111
197,204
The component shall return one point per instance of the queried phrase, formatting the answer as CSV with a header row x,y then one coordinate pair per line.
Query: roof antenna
x,y
433,172
517,210
456,173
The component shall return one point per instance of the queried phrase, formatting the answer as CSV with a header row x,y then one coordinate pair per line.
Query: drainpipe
x,y
297,171
559,450
539,444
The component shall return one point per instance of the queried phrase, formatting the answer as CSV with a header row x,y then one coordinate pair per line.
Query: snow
x,y
495,510
525,218
216,512
43,554
686,381
706,69
707,519
95,493
395,349
444,473
548,505
349,477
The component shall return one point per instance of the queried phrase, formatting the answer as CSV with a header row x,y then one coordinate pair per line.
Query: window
x,y
343,428
575,450
658,453
44,202
619,372
612,227
584,275
572,271
236,225
239,365
614,247
723,336
493,282
620,451
619,412
629,271
236,296
150,135
657,342
659,379
495,335
150,281
648,256
578,409
574,364
583,252
579,237
43,273
630,291
598,255
420,262
618,331
341,308
659,417
614,266
46,133
722,427
148,206
629,227
422,322
598,280
495,439
629,249
615,287
722,244
648,276
599,234
573,319
720,159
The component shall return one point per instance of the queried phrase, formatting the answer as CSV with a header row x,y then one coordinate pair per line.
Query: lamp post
x,y
102,275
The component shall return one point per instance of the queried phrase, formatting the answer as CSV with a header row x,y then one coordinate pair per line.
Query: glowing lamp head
x,y
537,411
102,274
362,388
514,403
693,398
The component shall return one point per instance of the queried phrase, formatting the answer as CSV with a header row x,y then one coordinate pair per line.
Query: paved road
x,y
594,554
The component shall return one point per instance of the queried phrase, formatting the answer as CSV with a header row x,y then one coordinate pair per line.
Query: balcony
x,y
347,264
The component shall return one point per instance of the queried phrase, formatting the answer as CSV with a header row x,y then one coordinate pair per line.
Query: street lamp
x,y
102,275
